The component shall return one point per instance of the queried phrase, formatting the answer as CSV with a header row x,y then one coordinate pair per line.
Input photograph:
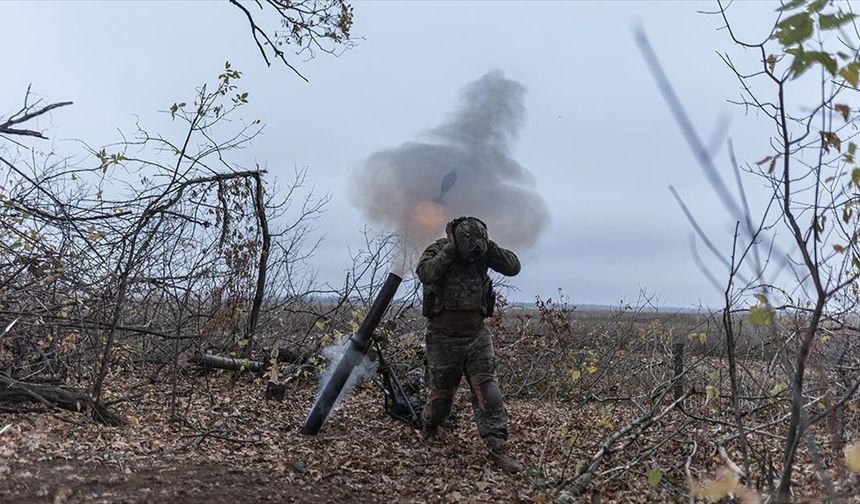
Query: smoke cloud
x,y
402,189
333,355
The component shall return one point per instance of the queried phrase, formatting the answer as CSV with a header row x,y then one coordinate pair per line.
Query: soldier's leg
x,y
443,370
438,407
490,415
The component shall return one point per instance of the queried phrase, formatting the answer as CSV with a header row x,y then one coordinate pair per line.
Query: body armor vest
x,y
466,286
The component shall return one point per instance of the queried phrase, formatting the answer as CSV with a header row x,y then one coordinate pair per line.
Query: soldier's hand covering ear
x,y
449,248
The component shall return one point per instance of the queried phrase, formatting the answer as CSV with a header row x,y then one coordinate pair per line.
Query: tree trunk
x,y
260,210
678,354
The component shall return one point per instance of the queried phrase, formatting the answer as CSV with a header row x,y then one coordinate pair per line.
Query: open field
x,y
238,446
214,437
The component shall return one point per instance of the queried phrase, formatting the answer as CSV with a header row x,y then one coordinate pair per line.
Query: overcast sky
x,y
598,137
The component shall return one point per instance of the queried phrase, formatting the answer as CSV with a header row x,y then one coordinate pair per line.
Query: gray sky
x,y
598,137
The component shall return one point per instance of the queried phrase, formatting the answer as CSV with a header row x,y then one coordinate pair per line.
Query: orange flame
x,y
428,219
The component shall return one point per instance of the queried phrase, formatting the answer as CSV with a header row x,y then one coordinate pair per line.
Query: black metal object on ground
x,y
398,404
275,391
357,346
404,402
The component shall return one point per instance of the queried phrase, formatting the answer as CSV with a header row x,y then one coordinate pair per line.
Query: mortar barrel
x,y
358,345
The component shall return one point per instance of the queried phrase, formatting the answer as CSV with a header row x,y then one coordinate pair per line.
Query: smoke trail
x,y
333,354
403,188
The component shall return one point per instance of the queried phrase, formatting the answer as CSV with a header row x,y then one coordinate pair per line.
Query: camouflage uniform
x,y
458,295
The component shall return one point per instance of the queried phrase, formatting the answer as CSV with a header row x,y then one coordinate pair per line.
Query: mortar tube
x,y
357,346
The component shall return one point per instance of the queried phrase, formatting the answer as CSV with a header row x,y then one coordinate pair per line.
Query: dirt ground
x,y
234,446
226,444
60,481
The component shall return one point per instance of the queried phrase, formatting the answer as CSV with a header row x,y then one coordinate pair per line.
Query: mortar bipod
x,y
397,403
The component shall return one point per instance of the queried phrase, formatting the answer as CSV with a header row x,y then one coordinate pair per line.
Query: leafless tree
x,y
158,245
309,26
803,290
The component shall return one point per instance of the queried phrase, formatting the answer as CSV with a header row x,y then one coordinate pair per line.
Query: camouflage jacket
x,y
454,284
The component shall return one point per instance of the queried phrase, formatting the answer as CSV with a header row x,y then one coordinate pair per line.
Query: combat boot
x,y
429,434
499,455
504,461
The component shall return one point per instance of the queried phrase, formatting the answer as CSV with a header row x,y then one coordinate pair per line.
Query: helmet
x,y
470,238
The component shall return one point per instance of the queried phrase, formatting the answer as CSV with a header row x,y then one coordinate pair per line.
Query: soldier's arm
x,y
502,260
435,261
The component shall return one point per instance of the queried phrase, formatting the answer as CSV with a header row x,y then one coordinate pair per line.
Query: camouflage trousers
x,y
448,359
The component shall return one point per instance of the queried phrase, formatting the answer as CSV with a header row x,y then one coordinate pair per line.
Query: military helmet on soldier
x,y
470,237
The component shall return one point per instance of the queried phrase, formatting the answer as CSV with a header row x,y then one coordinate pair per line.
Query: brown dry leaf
x,y
62,495
852,457
233,436
727,483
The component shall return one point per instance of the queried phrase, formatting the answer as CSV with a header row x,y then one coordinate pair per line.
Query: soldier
x,y
458,296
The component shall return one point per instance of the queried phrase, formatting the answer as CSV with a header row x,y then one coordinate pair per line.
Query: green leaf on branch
x,y
793,4
830,139
800,64
855,177
103,157
831,21
804,59
760,314
851,73
794,29
817,5
849,156
825,59
95,234
174,108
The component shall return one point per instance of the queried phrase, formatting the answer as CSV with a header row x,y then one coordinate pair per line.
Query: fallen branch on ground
x,y
581,482
12,390
210,361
